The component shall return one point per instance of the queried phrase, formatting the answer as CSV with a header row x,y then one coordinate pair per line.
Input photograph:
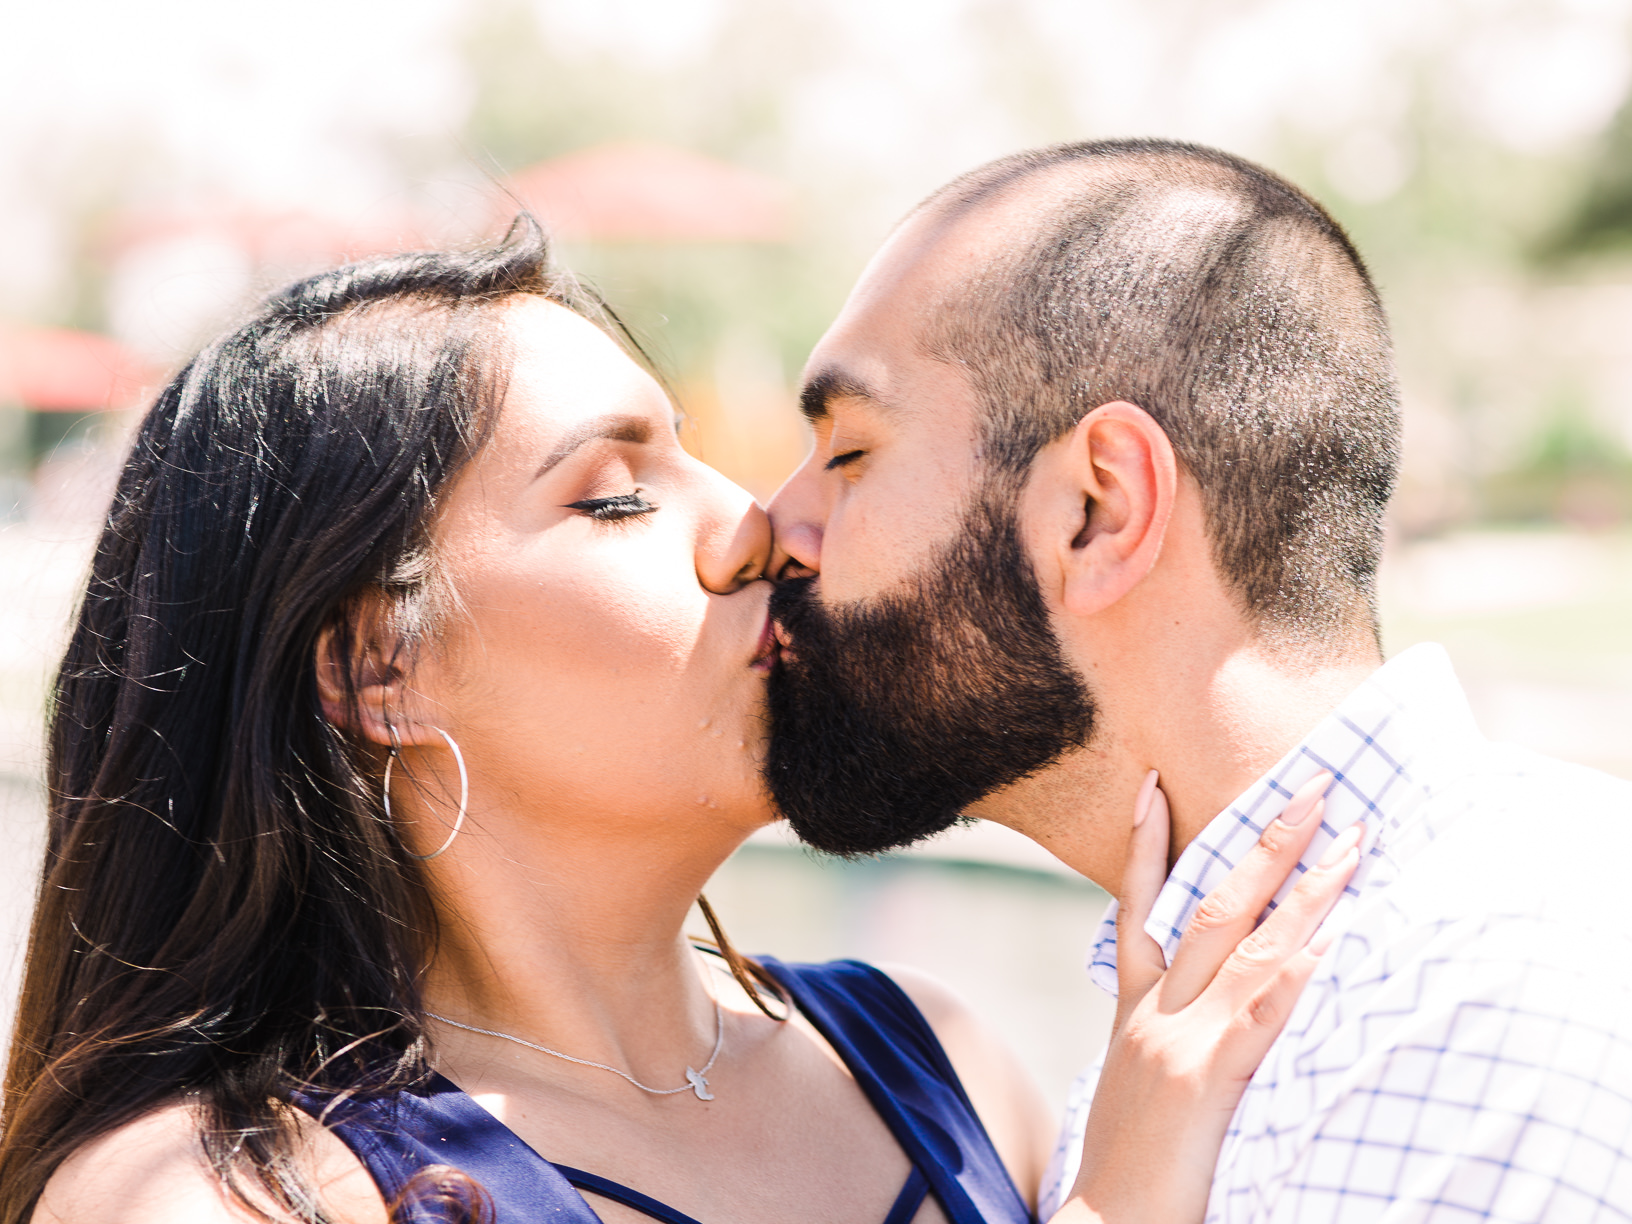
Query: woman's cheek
x,y
649,607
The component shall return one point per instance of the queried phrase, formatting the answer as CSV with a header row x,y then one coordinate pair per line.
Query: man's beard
x,y
890,716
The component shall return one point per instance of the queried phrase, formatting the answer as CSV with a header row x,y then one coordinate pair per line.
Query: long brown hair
x,y
224,910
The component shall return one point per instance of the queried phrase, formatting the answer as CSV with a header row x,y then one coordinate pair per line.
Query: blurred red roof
x,y
653,193
56,369
292,237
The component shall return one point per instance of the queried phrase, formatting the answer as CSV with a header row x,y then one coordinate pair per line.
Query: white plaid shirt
x,y
1464,1052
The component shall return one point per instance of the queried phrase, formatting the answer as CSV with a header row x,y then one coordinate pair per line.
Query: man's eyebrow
x,y
622,427
827,385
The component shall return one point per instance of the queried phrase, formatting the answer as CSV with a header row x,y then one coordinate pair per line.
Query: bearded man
x,y
1103,443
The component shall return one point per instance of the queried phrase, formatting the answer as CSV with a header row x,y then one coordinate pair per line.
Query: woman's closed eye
x,y
612,509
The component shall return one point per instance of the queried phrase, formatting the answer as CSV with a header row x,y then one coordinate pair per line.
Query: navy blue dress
x,y
878,1032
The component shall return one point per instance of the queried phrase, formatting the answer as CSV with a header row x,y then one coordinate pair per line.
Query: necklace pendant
x,y
699,1084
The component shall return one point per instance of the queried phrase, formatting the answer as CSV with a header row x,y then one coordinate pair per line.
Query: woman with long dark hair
x,y
415,694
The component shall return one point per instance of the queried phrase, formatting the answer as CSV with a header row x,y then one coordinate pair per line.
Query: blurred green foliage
x,y
1601,220
1573,471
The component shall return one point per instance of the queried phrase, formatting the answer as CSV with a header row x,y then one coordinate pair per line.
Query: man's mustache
x,y
890,715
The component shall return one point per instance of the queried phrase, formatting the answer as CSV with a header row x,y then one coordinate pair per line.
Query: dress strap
x,y
436,1123
620,1193
911,1198
898,1062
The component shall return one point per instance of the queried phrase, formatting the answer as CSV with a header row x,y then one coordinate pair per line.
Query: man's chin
x,y
858,835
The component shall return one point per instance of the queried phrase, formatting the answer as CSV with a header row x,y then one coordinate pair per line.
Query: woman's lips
x,y
766,654
784,643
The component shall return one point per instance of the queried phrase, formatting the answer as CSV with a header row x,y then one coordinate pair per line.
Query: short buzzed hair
x,y
1229,306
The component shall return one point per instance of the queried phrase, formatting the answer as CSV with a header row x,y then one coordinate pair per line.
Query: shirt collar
x,y
1383,745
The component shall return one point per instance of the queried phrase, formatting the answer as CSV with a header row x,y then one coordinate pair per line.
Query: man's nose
x,y
798,517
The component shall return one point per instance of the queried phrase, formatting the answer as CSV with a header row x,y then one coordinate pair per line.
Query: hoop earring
x,y
464,787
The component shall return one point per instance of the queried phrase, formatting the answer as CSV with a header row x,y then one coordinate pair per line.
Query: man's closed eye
x,y
844,460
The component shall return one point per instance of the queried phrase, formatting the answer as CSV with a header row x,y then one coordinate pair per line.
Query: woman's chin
x,y
744,812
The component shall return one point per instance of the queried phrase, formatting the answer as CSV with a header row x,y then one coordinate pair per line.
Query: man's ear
x,y
362,687
1120,468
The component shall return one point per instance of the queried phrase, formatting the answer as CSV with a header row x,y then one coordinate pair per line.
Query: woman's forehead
x,y
567,371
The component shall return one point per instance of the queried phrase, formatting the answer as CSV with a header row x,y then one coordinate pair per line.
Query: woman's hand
x,y
1189,1036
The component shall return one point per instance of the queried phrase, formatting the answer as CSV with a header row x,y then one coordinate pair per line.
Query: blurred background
x,y
721,169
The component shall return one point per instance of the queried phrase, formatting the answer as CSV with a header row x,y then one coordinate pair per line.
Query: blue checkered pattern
x,y
1465,1050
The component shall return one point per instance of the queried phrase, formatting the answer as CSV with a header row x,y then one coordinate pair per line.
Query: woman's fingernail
x,y
1298,811
1306,799
1321,941
1341,845
1141,805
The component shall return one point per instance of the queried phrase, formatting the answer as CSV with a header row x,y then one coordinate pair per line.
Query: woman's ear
x,y
358,681
1124,476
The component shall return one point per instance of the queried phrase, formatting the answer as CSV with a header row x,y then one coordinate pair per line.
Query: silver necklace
x,y
696,1081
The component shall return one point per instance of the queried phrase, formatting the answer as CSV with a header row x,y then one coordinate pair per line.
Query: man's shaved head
x,y
1228,305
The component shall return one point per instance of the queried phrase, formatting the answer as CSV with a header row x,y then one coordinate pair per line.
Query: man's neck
x,y
1251,714
1210,731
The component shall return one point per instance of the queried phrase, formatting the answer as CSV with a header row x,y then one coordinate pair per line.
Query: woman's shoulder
x,y
152,1170
1002,1091
977,1053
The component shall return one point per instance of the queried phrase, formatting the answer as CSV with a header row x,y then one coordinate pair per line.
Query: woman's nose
x,y
734,546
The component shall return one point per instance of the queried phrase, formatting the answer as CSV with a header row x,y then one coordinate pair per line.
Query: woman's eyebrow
x,y
621,427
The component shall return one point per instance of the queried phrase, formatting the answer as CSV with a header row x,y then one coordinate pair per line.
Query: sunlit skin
x,y
1115,530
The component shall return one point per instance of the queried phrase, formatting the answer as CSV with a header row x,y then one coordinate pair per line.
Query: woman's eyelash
x,y
610,509
848,457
